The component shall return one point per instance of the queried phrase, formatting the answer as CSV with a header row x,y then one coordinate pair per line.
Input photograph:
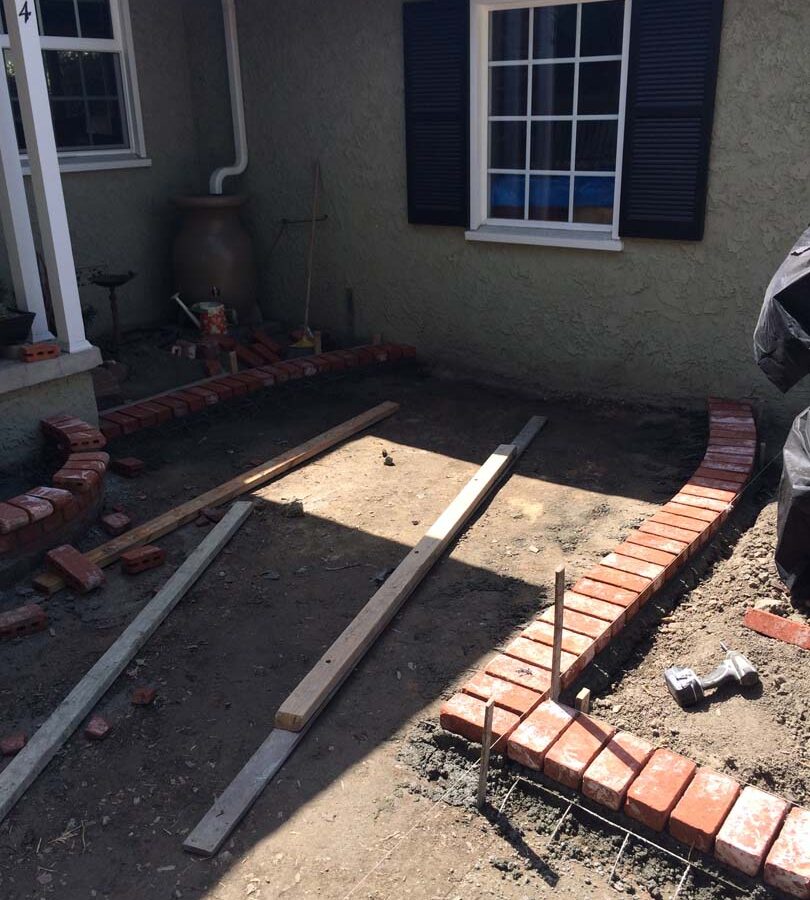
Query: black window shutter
x,y
437,111
674,55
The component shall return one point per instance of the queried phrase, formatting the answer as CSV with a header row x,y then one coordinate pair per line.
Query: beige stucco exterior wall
x,y
660,321
123,219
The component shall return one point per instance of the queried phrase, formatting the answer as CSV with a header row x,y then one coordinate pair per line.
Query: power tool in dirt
x,y
688,688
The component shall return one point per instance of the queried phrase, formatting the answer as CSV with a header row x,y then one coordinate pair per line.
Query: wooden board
x,y
242,792
150,531
344,654
32,759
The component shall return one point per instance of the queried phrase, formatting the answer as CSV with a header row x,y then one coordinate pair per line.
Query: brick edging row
x,y
602,602
194,398
28,521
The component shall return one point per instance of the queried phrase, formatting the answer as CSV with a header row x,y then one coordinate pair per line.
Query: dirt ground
x,y
362,809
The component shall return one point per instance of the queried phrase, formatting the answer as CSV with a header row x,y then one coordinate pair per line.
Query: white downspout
x,y
237,101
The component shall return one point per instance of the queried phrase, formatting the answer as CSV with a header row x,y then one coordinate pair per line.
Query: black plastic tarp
x,y
793,520
782,335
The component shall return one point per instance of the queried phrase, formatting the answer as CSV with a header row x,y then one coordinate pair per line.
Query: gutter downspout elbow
x,y
218,176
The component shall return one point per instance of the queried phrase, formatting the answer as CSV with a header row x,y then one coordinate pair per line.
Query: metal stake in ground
x,y
556,652
486,744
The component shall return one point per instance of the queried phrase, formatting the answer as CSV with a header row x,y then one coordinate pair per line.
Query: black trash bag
x,y
793,519
782,335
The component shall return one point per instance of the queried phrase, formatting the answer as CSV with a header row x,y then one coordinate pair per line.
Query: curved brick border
x,y
36,520
195,397
655,786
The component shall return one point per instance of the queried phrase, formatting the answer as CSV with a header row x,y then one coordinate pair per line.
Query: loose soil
x,y
362,809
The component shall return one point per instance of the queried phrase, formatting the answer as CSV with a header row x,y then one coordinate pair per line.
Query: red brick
x,y
656,542
607,592
128,466
8,544
788,864
79,481
336,364
537,654
628,581
380,353
719,506
519,672
213,367
85,440
608,777
209,397
139,559
706,516
265,354
745,454
320,364
54,521
705,471
267,341
364,356
178,407
659,786
572,642
251,382
537,733
716,483
394,351
651,571
225,341
98,456
36,352
144,696
194,403
36,508
464,715
144,417
109,429
511,697
726,463
220,389
778,628
599,609
78,572
268,379
408,351
685,523
74,464
97,728
668,532
306,367
116,523
576,749
711,493
12,518
749,830
127,424
582,623
23,620
13,743
281,375
349,357
698,815
292,371
247,356
160,412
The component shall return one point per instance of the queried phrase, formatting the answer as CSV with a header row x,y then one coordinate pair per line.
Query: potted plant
x,y
15,324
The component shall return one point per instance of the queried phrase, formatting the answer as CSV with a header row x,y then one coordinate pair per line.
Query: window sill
x,y
68,163
546,237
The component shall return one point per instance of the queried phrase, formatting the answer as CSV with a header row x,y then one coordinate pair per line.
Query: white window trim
x,y
563,234
121,43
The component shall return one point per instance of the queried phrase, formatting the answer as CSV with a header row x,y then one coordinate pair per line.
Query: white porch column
x,y
32,91
16,223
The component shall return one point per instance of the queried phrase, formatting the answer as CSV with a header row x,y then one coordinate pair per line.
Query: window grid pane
x,y
565,151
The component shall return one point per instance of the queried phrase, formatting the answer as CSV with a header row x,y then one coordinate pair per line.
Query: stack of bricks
x,y
744,827
27,522
606,598
194,398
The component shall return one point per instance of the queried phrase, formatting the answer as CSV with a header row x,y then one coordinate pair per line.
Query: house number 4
x,y
25,12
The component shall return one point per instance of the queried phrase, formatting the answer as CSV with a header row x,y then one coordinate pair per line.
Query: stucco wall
x,y
660,321
123,219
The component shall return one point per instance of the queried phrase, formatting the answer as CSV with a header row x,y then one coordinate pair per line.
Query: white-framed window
x,y
92,83
548,84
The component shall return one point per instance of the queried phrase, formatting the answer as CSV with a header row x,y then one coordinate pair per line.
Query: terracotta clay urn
x,y
214,250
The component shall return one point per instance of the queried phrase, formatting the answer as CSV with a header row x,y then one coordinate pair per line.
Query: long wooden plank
x,y
229,808
108,553
344,654
32,759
